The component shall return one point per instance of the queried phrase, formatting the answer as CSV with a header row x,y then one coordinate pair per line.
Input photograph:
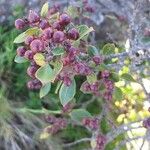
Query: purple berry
x,y
21,51
58,36
94,87
107,95
109,84
37,46
43,24
33,17
97,60
64,19
56,25
73,34
105,74
66,44
67,81
19,24
29,55
48,33
28,40
31,71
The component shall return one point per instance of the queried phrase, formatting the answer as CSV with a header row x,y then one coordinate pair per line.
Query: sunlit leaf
x,y
44,9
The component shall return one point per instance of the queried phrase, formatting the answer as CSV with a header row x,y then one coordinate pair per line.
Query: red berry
x,y
37,46
56,25
31,71
48,33
28,40
43,24
29,54
97,60
58,36
21,51
64,19
73,34
33,17
19,24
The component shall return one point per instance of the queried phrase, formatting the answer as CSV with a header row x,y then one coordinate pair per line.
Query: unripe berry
x,y
37,46
19,24
29,55
58,36
31,71
28,40
73,34
64,19
21,51
48,33
33,17
43,24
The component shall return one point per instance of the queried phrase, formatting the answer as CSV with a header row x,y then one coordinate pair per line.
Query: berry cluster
x,y
61,33
100,142
51,35
56,124
91,123
102,80
146,123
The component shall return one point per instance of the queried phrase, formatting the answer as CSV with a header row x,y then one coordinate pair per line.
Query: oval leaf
x,y
39,59
44,74
45,89
58,51
67,93
20,60
92,50
108,49
20,38
44,10
79,114
127,77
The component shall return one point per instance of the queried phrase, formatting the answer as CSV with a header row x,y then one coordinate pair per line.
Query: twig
x,y
77,142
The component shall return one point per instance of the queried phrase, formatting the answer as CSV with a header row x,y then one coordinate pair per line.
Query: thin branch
x,y
77,142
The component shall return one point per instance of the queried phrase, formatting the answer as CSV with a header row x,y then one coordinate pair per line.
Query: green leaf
x,y
83,31
66,93
117,94
44,74
19,59
114,76
72,11
92,50
57,65
58,51
45,89
108,49
44,9
79,114
21,38
127,77
92,78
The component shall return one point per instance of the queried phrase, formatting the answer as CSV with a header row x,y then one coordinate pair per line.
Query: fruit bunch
x,y
52,35
57,39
